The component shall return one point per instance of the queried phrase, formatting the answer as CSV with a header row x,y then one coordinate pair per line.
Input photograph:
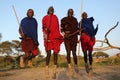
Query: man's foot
x,y
87,68
90,67
90,71
47,71
76,69
54,75
22,64
29,65
54,72
69,66
70,70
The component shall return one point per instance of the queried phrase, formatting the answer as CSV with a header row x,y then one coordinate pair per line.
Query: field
x,y
108,69
99,73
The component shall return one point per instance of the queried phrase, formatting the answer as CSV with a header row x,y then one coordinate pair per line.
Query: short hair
x,y
30,10
70,10
84,13
51,7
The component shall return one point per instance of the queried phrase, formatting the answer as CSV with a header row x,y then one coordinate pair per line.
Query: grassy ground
x,y
13,62
108,69
99,73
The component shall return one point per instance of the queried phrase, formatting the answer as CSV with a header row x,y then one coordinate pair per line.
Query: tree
x,y
10,47
106,41
5,47
0,36
16,47
100,54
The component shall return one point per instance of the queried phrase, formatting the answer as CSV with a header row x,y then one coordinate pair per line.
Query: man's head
x,y
30,13
50,10
70,12
84,15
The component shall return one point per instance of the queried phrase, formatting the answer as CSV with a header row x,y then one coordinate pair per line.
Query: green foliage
x,y
7,62
62,62
9,47
108,61
81,61
5,47
10,62
0,36
100,54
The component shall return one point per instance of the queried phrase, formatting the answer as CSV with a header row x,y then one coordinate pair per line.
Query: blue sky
x,y
105,12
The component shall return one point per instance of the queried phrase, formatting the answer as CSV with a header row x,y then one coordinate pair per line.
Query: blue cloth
x,y
29,28
87,25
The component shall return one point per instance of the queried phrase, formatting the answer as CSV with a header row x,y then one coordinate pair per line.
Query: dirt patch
x,y
99,73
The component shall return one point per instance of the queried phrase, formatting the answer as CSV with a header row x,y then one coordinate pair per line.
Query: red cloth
x,y
35,52
86,42
29,46
55,38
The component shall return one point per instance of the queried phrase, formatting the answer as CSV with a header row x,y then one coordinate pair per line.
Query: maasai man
x,y
29,36
52,36
69,25
87,39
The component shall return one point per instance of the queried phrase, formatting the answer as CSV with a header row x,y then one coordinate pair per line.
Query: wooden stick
x,y
16,15
80,25
17,19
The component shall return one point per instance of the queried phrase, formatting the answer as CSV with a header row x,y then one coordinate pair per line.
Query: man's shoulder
x,y
64,18
45,16
74,18
24,18
54,16
34,19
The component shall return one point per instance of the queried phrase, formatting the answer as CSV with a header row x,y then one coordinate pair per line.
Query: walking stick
x,y
17,19
16,15
80,25
21,58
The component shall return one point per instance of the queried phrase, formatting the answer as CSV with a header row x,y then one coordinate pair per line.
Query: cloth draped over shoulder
x,y
51,22
29,28
29,42
69,25
87,25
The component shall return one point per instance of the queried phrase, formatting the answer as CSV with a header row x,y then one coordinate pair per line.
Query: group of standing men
x,y
54,35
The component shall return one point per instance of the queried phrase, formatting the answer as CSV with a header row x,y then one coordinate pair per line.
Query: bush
x,y
7,62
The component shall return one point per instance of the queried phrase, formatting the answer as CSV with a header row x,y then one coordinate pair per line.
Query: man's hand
x,y
63,34
80,30
22,35
48,30
45,36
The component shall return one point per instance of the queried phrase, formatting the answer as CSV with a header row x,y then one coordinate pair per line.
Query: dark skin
x,y
70,13
50,10
30,14
69,24
84,15
27,56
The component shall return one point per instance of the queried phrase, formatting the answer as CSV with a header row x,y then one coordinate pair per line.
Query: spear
x,y
17,19
16,15
80,25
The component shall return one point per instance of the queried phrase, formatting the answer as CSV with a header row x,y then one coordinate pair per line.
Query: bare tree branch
x,y
106,40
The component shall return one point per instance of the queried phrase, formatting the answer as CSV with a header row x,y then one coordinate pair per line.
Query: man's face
x,y
84,15
30,13
51,10
70,12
